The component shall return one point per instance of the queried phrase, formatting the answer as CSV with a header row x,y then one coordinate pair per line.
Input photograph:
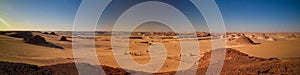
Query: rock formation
x,y
24,35
45,33
238,63
37,40
291,37
245,41
63,38
2,33
52,33
271,39
8,68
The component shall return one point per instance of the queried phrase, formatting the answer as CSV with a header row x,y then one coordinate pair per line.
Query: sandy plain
x,y
282,46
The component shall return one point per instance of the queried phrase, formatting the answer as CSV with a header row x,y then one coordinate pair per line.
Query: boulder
x,y
63,38
38,40
45,33
52,33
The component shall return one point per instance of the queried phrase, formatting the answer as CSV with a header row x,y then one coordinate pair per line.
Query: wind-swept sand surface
x,y
280,45
235,62
16,50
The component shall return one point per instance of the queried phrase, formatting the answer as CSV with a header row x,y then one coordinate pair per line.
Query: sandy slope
x,y
279,49
15,50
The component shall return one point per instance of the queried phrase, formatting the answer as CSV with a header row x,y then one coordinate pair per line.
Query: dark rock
x,y
203,34
273,59
266,71
24,35
45,33
52,33
2,33
136,37
63,38
38,40
8,68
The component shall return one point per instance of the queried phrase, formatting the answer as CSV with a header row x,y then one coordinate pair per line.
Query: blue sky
x,y
238,15
261,15
39,14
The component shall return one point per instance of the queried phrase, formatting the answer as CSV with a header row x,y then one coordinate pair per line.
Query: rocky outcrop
x,y
38,40
271,39
203,34
245,41
8,68
45,33
2,33
22,34
52,33
238,63
63,38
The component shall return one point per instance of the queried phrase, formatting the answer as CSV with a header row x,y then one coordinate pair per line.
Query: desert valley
x,y
42,52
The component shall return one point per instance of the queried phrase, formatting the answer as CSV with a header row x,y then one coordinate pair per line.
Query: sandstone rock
x,y
245,41
271,39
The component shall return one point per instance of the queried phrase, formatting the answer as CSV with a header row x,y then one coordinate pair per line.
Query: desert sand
x,y
279,50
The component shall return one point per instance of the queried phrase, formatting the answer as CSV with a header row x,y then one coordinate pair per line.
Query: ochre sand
x,y
15,50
